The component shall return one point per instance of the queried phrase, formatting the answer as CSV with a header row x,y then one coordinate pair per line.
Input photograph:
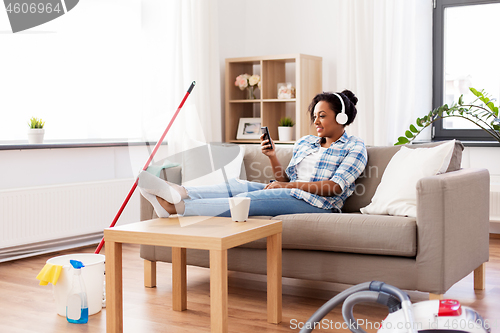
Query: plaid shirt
x,y
341,163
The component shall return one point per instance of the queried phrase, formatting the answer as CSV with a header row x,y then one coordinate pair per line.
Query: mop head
x,y
49,273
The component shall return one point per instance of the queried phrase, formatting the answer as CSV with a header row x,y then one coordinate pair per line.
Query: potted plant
x,y
481,111
285,129
36,130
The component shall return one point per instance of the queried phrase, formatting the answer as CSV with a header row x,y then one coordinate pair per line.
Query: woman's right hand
x,y
267,147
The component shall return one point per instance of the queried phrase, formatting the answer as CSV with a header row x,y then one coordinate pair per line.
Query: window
x,y
466,48
96,73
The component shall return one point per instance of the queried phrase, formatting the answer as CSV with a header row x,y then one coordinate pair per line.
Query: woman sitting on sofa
x,y
319,178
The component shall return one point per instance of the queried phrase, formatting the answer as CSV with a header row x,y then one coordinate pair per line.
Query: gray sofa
x,y
448,240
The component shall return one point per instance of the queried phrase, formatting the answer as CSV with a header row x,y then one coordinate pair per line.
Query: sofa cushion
x,y
352,233
396,194
206,164
378,158
256,166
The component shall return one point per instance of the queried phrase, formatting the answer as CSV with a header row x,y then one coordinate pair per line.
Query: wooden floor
x,y
27,307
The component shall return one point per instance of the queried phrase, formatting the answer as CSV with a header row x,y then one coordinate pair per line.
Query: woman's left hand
x,y
276,185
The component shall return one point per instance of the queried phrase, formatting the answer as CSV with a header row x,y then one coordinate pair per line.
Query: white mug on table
x,y
239,207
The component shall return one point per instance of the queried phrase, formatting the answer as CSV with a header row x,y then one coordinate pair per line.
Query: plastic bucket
x,y
93,277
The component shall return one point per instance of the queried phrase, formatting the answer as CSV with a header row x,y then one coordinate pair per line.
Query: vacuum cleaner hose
x,y
405,301
350,302
331,304
374,291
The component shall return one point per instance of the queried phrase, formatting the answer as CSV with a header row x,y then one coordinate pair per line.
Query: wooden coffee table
x,y
217,234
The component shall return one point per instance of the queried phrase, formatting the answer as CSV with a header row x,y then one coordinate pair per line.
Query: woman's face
x,y
324,120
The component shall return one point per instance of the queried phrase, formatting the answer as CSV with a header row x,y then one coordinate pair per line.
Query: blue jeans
x,y
211,200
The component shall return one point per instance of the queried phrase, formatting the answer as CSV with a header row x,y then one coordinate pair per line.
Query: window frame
x,y
438,132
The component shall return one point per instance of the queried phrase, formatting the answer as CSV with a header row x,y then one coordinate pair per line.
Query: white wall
x,y
263,27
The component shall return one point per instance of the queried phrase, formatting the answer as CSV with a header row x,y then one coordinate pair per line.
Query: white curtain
x,y
182,38
385,58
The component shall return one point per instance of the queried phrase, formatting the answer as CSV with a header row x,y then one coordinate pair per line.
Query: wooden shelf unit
x,y
305,73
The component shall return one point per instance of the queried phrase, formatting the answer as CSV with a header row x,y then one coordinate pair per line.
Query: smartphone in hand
x,y
265,131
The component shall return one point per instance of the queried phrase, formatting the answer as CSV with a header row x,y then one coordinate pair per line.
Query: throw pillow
x,y
396,194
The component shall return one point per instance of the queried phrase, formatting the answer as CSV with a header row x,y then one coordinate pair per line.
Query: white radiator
x,y
32,220
495,207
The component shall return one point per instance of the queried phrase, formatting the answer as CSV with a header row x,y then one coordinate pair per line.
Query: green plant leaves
x,y
36,123
402,140
476,112
475,92
441,109
491,106
485,99
286,122
495,110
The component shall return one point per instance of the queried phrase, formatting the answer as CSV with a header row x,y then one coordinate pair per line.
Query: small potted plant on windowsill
x,y
285,129
36,130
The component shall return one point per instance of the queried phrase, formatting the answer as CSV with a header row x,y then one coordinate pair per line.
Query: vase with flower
x,y
248,82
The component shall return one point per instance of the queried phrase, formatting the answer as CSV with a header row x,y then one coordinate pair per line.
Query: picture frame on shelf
x,y
248,129
286,91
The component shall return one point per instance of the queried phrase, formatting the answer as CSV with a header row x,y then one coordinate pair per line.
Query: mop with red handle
x,y
99,247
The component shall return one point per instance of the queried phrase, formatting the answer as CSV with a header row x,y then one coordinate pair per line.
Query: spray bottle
x,y
77,311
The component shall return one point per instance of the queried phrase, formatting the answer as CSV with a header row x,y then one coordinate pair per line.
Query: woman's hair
x,y
348,97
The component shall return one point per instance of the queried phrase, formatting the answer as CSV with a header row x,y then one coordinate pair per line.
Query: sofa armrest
x,y
452,226
173,175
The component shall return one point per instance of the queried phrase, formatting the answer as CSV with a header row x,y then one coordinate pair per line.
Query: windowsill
x,y
469,143
24,145
481,143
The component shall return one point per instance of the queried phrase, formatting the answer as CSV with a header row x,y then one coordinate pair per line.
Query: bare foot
x,y
171,208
